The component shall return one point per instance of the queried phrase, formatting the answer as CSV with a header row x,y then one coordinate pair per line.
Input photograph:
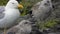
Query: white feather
x,y
11,14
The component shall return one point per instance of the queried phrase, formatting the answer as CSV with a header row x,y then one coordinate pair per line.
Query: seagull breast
x,y
10,17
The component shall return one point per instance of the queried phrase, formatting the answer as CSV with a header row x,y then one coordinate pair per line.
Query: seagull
x,y
42,10
9,14
24,27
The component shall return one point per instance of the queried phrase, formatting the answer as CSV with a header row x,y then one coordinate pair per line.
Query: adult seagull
x,y
9,14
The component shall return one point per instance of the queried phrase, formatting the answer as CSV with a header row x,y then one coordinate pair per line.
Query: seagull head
x,y
13,4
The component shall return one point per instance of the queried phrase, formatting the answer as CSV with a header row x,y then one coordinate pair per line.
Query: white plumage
x,y
11,14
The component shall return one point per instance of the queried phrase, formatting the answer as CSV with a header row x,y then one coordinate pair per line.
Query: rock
x,y
42,10
56,4
54,33
51,33
26,17
57,28
24,27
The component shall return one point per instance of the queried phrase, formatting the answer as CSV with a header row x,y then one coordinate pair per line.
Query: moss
x,y
47,24
50,23
3,2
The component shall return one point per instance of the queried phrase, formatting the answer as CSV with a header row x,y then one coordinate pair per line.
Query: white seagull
x,y
9,14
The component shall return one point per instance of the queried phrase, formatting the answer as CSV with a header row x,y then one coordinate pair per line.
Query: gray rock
x,y
56,5
54,33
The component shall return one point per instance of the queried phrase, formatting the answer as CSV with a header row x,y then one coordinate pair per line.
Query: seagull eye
x,y
12,3
25,22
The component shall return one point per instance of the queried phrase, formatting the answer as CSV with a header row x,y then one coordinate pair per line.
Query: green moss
x,y
50,23
47,24
3,2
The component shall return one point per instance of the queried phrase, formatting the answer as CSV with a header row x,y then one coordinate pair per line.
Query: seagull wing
x,y
2,9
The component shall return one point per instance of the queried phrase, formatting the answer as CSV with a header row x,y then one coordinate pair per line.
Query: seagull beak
x,y
20,6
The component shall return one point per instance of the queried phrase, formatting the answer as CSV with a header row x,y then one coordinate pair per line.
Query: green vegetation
x,y
27,5
26,8
47,24
3,2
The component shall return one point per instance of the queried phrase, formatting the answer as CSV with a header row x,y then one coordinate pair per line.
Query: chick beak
x,y
20,6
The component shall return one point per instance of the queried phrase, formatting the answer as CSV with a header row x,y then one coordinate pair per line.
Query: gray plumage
x,y
24,27
42,9
2,9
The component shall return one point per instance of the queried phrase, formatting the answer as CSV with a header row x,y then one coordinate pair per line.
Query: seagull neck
x,y
7,7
